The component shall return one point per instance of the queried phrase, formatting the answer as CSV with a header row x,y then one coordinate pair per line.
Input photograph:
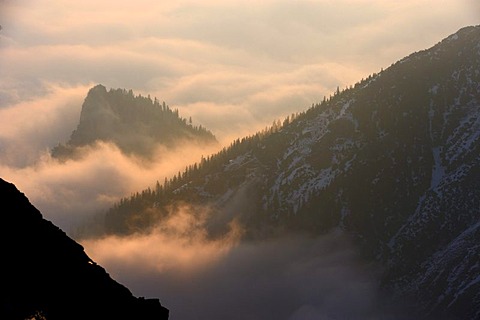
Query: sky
x,y
234,67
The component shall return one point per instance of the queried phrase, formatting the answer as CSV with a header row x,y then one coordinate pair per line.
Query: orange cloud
x,y
69,193
179,243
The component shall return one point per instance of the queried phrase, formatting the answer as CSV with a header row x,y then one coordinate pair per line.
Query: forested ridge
x,y
393,161
134,123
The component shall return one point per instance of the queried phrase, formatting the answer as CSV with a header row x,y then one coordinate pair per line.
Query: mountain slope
x,y
394,161
47,275
136,124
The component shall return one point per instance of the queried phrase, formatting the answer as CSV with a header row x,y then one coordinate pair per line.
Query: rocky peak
x,y
134,123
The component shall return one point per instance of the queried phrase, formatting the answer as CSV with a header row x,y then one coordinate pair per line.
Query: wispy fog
x,y
30,126
180,243
70,193
200,278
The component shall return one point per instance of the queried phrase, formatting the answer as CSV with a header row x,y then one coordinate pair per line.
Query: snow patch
x,y
344,109
453,37
434,89
438,171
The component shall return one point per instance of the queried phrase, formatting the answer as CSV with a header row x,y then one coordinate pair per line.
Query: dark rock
x,y
48,275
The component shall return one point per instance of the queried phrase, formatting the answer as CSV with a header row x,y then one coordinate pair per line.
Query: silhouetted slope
x,y
394,161
47,273
136,124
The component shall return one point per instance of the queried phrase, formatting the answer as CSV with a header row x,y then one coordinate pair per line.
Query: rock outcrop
x,y
137,125
47,275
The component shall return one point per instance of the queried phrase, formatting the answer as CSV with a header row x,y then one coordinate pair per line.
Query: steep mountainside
x,y
136,124
394,161
47,275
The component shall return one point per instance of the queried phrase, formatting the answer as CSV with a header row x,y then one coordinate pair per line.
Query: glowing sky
x,y
234,66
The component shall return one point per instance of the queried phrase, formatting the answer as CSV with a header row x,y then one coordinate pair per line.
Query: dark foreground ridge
x,y
47,275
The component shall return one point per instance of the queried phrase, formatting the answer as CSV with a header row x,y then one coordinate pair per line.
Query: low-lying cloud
x,y
30,127
179,243
71,192
197,277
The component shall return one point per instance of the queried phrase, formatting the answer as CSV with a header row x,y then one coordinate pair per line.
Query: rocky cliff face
x,y
135,124
394,161
47,275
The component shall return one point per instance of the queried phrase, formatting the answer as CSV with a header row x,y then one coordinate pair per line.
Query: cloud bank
x,y
292,278
73,192
263,60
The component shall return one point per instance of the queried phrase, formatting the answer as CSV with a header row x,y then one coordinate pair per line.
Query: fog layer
x,y
197,277
71,193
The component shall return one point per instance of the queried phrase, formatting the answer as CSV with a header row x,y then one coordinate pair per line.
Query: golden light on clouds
x,y
178,244
233,66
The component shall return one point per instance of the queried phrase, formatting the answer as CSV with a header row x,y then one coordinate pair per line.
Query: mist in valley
x,y
197,276
75,193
